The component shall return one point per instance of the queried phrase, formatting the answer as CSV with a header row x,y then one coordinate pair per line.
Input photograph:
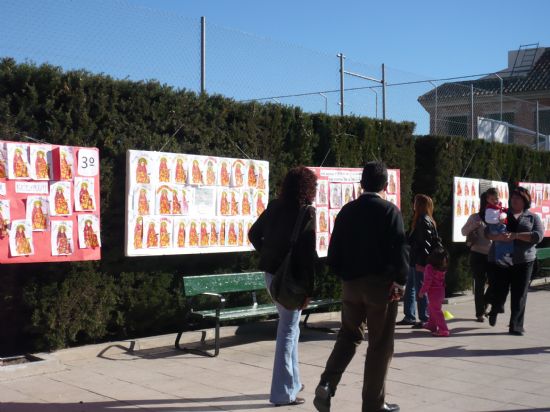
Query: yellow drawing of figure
x,y
143,203
2,168
181,235
261,178
234,205
141,171
473,208
86,202
164,202
347,195
224,205
238,175
22,244
66,172
213,234
252,180
391,185
260,205
152,236
246,204
224,174
3,225
322,244
61,205
232,235
19,166
164,235
210,173
41,166
176,205
164,172
240,236
247,240
204,234
38,218
473,190
138,233
458,209
90,237
222,234
323,226
62,242
466,209
459,189
181,174
193,235
196,174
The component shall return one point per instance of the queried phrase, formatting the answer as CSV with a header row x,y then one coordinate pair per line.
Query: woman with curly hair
x,y
270,235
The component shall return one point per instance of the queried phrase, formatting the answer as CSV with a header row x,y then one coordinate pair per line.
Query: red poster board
x,y
337,186
44,220
540,202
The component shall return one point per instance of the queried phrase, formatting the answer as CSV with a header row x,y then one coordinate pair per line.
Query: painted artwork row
x,y
466,192
335,188
209,193
540,202
49,195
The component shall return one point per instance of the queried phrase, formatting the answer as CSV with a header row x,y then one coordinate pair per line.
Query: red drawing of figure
x,y
181,235
204,234
138,233
210,173
246,204
41,166
224,205
164,235
2,168
22,244
260,205
152,236
86,202
252,179
473,208
459,189
261,178
466,209
61,205
322,194
232,236
458,209
224,174
181,175
323,226
247,240
222,233
90,237
322,244
3,225
176,205
19,166
466,190
473,190
143,203
234,205
164,203
141,171
196,174
392,186
213,234
164,172
238,174
63,245
193,235
240,237
38,218
66,172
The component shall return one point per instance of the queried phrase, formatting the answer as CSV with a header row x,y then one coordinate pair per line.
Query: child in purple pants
x,y
434,287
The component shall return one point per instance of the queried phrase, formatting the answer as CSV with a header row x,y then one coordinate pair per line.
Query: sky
x,y
260,49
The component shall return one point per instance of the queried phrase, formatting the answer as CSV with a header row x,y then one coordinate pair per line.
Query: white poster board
x,y
189,204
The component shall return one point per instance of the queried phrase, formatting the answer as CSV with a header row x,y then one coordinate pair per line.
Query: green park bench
x,y
216,287
543,256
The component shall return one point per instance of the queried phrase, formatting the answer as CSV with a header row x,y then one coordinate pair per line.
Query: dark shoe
x,y
480,319
389,407
518,332
492,319
405,322
297,401
418,325
323,393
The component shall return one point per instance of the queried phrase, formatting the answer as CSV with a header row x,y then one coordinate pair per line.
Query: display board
x,y
540,202
188,204
49,203
466,200
338,186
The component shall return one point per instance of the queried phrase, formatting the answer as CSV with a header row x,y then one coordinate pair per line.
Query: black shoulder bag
x,y
284,288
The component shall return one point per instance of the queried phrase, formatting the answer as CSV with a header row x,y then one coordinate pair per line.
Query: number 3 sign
x,y
88,162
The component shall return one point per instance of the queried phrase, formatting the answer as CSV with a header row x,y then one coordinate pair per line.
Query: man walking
x,y
368,250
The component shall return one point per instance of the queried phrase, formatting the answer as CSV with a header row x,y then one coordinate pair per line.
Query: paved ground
x,y
477,369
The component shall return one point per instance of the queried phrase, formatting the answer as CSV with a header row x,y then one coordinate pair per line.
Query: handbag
x,y
284,288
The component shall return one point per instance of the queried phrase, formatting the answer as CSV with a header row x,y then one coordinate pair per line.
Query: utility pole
x,y
383,92
203,54
341,57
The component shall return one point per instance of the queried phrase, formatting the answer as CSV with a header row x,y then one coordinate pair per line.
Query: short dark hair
x,y
439,258
375,177
525,196
491,192
299,186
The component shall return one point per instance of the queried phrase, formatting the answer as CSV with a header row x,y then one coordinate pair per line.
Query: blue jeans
x,y
411,300
285,383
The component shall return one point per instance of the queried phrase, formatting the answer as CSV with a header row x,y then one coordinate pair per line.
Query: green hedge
x,y
439,159
48,306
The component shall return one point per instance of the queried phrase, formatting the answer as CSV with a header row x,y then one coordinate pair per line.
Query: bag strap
x,y
297,225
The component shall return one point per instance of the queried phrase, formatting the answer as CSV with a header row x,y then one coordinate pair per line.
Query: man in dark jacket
x,y
369,251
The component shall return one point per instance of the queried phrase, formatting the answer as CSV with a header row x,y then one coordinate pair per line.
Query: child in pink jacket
x,y
434,287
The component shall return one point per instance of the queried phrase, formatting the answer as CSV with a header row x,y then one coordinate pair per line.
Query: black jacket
x,y
270,235
369,240
422,240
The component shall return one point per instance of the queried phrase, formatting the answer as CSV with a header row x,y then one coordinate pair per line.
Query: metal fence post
x,y
341,56
203,54
537,125
472,109
383,91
